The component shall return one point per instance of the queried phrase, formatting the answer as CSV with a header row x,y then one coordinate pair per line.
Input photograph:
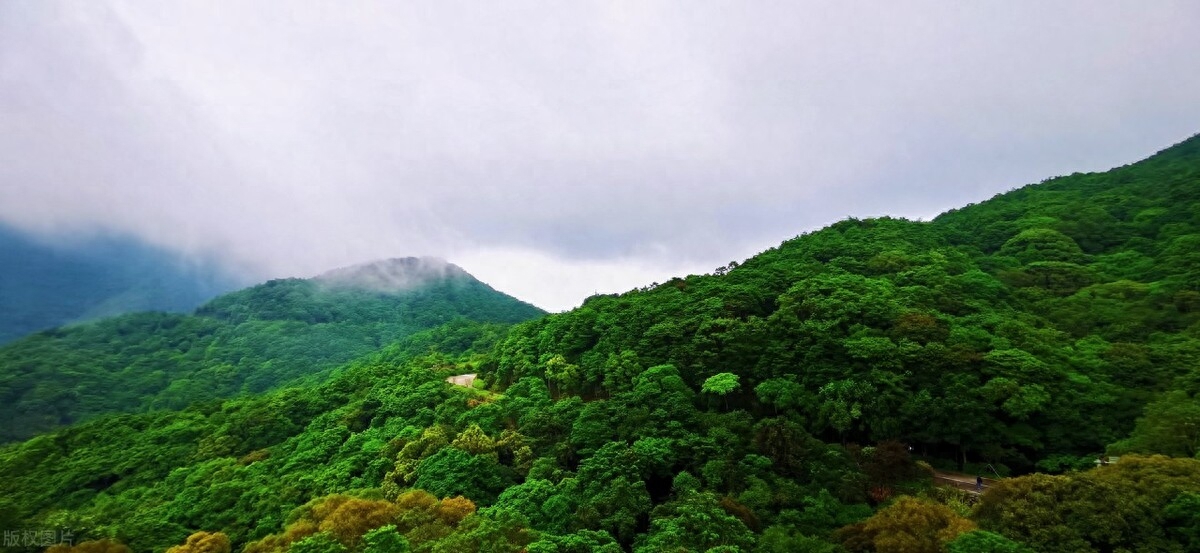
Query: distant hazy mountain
x,y
247,341
43,285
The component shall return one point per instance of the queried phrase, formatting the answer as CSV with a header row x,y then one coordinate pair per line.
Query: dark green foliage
x,y
982,541
782,539
1182,519
452,471
694,521
1171,426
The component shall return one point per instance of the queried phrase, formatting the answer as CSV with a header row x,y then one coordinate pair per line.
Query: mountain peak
x,y
393,275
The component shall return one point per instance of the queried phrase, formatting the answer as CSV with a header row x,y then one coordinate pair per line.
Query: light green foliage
x,y
385,539
720,384
318,543
583,541
843,402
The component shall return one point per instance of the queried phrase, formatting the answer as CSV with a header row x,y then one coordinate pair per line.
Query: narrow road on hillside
x,y
964,482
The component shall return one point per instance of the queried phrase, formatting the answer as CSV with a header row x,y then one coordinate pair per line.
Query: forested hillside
x,y
1033,325
45,285
795,402
244,342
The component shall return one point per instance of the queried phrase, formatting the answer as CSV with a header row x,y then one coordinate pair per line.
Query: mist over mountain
x,y
393,275
248,341
46,283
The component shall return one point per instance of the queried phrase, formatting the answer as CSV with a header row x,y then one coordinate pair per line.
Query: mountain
x,y
247,341
796,401
45,285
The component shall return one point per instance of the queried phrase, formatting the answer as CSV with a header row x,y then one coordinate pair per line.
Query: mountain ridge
x,y
246,341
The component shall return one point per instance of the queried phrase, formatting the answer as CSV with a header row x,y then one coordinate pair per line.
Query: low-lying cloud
x,y
556,150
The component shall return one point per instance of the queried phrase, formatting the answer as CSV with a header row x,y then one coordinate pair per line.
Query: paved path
x,y
964,482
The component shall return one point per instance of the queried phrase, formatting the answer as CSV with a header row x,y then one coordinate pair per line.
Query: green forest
x,y
797,401
249,341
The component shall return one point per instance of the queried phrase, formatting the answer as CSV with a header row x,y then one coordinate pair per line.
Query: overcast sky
x,y
557,149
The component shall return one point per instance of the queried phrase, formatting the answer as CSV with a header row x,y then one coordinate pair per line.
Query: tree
x,y
721,384
475,441
1171,426
497,531
620,370
695,522
453,471
565,376
785,539
982,541
781,393
1182,518
889,464
1117,507
1042,244
203,542
583,541
354,517
318,543
533,500
786,444
843,402
613,496
822,513
385,539
909,525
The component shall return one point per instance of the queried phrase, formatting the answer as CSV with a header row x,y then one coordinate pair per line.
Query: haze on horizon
x,y
556,150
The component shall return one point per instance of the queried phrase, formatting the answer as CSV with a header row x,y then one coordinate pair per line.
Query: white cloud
x,y
606,143
556,284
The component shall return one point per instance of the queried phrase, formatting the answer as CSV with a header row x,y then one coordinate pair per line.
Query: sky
x,y
560,149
